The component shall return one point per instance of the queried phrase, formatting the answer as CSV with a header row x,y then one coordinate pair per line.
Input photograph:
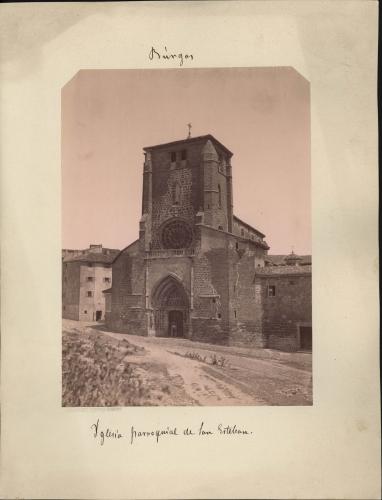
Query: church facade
x,y
196,270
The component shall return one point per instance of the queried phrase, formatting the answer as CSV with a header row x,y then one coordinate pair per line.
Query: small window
x,y
271,291
90,278
85,312
235,313
173,157
183,154
219,315
90,294
90,264
221,228
106,280
63,308
292,282
214,300
220,195
242,233
237,246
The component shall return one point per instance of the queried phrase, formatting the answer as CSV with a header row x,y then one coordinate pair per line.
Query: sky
x,y
262,115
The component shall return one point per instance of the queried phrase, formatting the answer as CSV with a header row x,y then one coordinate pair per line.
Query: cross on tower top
x,y
189,130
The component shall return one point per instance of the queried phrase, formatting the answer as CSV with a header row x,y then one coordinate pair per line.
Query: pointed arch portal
x,y
170,304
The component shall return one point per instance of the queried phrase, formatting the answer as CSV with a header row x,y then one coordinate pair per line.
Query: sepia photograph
x,y
170,173
186,238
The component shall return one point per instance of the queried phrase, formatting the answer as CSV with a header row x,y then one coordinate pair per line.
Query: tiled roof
x,y
279,260
191,139
283,270
248,226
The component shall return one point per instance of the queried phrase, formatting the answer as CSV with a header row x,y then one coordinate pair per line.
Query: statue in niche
x,y
176,194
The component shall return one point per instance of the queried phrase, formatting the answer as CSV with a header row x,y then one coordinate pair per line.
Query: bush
x,y
211,360
95,372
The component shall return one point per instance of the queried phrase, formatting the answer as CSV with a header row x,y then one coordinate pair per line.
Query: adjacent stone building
x,y
85,275
197,270
286,287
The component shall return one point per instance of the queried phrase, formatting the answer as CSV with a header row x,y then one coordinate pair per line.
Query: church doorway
x,y
171,308
175,324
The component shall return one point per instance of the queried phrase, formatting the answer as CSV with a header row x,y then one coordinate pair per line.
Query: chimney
x,y
95,248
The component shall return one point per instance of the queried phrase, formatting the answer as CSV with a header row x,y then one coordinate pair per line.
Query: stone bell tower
x,y
184,183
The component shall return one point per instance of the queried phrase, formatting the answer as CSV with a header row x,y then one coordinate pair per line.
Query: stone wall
x,y
209,330
289,308
245,305
127,297
70,290
212,277
225,275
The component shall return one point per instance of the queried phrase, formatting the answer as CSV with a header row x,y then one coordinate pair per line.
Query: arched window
x,y
220,196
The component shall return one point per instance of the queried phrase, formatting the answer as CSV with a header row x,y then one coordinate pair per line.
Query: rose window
x,y
176,234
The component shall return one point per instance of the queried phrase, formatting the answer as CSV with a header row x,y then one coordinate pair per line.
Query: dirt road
x,y
182,372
